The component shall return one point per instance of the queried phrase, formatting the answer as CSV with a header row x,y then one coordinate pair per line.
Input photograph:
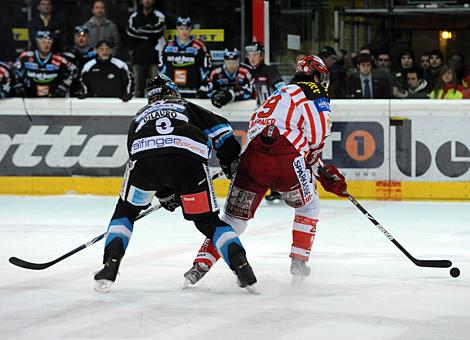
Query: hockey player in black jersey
x,y
79,54
186,60
229,82
169,143
42,73
266,77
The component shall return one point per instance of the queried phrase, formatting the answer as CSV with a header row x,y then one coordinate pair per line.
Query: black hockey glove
x,y
229,167
221,98
228,155
170,202
59,92
126,97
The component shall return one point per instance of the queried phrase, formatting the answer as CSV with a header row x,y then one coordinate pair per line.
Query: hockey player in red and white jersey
x,y
285,138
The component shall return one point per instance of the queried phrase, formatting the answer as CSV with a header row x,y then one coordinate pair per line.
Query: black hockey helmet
x,y
180,21
160,87
255,47
231,54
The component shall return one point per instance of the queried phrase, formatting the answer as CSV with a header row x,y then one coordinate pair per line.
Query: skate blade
x,y
103,286
252,289
186,283
298,280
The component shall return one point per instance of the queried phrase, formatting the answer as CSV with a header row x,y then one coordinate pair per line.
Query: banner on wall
x,y
424,146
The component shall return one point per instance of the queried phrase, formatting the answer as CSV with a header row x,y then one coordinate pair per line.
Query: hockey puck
x,y
454,272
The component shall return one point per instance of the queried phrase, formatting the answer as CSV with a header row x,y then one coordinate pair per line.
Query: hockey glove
x,y
126,97
221,98
170,202
228,155
332,180
60,92
229,167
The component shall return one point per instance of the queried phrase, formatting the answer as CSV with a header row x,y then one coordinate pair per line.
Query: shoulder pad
x,y
313,90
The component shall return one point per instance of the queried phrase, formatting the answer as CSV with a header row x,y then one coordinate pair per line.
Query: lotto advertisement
x,y
369,143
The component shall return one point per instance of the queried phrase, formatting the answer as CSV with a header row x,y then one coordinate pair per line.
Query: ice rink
x,y
361,287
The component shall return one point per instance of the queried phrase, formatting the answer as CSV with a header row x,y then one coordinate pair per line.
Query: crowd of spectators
x,y
89,66
371,75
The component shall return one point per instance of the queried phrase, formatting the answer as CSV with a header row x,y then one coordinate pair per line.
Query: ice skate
x,y
244,272
196,273
299,271
105,278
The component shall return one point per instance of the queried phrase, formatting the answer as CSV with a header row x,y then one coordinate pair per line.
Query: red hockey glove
x,y
332,180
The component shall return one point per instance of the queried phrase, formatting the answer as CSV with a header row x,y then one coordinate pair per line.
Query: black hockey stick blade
x,y
29,265
433,263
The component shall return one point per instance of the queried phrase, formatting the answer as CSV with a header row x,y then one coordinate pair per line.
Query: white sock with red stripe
x,y
303,234
207,254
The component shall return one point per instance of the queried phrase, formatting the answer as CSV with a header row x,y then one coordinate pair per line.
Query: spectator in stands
x,y
146,28
42,73
457,62
383,61
425,65
365,85
336,88
229,82
447,86
466,86
417,85
79,54
101,28
266,77
398,78
106,76
435,64
7,52
47,21
5,80
187,61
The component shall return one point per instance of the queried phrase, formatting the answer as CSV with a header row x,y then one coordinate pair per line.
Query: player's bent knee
x,y
207,224
237,224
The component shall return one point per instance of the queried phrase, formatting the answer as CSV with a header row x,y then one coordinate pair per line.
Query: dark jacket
x,y
380,88
109,78
146,32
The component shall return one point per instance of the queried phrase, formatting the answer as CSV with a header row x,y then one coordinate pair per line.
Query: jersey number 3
x,y
163,126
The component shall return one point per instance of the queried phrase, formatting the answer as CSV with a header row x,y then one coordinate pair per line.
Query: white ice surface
x,y
361,287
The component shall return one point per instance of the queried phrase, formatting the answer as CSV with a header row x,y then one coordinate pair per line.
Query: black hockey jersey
x,y
240,83
5,80
266,80
48,77
187,65
78,58
176,126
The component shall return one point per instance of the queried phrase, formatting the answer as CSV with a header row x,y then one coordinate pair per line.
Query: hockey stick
x,y
420,263
40,266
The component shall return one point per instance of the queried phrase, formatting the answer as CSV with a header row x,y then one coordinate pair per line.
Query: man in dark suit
x,y
365,85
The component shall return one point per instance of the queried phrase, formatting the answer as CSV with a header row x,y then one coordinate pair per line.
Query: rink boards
x,y
398,149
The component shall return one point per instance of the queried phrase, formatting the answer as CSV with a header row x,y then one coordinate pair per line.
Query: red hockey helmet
x,y
313,67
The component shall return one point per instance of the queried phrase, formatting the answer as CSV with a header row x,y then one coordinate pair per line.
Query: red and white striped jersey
x,y
300,111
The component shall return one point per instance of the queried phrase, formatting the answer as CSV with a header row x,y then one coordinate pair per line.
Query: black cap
x,y
180,21
104,42
81,29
